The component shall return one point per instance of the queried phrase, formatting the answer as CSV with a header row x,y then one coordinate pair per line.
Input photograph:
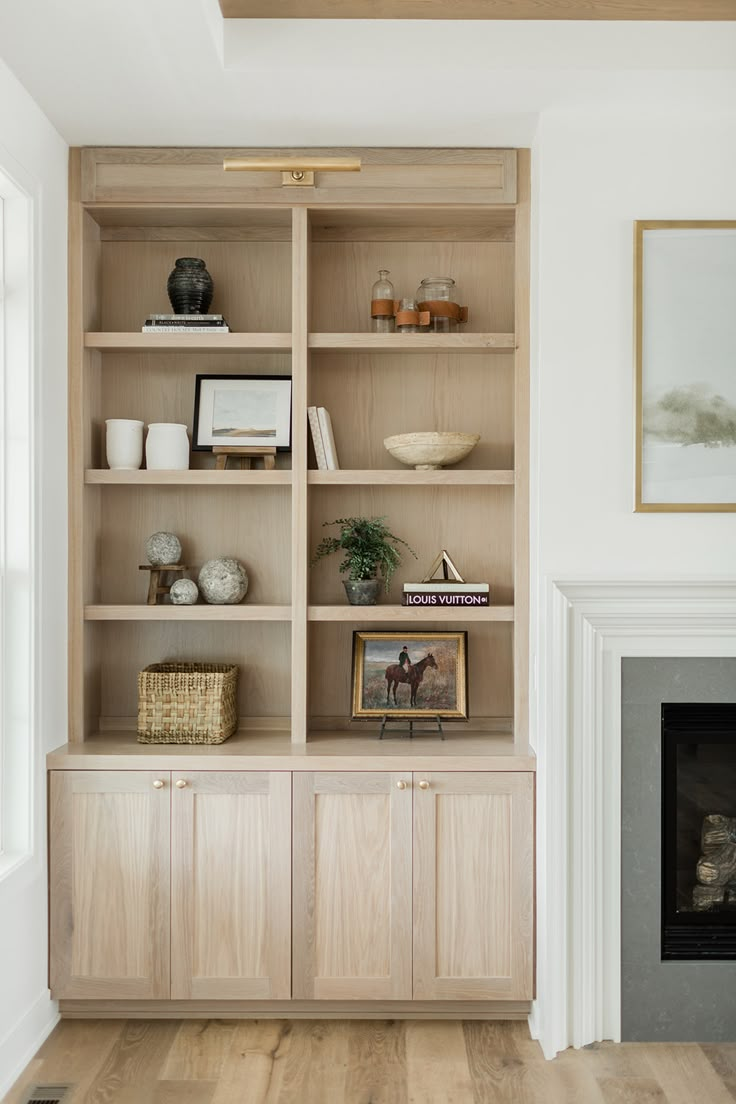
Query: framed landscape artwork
x,y
685,366
242,410
410,674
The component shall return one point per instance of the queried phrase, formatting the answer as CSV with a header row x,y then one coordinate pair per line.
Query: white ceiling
x,y
173,72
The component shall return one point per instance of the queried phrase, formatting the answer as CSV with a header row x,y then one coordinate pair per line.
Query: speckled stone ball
x,y
223,582
163,549
184,592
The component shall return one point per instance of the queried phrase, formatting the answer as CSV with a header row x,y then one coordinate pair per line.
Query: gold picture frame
x,y
661,467
435,677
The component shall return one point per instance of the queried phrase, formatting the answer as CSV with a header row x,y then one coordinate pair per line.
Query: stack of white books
x,y
185,323
323,438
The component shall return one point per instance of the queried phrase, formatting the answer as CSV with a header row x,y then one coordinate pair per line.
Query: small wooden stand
x,y
424,731
158,584
267,453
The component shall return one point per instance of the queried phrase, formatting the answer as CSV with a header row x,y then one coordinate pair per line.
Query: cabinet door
x,y
352,886
231,885
473,886
109,879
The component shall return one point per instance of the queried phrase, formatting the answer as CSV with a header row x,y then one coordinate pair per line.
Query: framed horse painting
x,y
410,674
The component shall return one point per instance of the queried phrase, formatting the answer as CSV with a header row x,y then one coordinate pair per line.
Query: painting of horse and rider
x,y
410,674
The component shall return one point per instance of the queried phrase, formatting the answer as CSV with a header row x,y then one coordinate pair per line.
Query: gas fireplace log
x,y
707,897
717,863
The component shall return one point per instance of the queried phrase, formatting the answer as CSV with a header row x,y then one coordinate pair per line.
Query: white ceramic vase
x,y
167,447
124,444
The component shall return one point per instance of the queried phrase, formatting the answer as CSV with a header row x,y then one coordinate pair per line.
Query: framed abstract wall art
x,y
685,329
242,410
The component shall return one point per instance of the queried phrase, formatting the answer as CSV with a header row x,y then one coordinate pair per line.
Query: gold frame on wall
x,y
640,227
460,713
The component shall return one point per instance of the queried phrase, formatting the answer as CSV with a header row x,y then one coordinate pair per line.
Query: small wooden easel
x,y
267,453
158,584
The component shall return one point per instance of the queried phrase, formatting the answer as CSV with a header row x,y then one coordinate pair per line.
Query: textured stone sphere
x,y
163,549
184,592
223,582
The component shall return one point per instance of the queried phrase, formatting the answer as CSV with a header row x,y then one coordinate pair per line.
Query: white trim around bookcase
x,y
590,626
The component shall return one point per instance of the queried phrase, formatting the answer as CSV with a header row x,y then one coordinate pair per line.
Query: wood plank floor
x,y
363,1062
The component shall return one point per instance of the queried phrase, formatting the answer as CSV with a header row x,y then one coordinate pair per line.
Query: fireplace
x,y
698,831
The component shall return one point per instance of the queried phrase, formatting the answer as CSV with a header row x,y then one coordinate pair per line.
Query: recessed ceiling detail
x,y
480,9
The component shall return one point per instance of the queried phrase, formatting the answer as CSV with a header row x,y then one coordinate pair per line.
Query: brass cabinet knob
x,y
424,784
158,784
401,784
181,783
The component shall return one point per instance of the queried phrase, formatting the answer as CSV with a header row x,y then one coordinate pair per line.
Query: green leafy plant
x,y
369,547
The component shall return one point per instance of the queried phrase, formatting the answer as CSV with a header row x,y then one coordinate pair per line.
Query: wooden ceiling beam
x,y
698,10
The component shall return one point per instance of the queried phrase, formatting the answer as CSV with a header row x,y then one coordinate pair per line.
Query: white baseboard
x,y
18,1047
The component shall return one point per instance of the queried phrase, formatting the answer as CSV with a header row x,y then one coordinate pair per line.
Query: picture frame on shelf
x,y
393,669
685,330
250,411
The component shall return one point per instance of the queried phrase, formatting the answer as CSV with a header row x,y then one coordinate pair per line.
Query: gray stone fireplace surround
x,y
662,1001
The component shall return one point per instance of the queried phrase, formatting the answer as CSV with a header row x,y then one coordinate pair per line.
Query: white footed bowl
x,y
428,451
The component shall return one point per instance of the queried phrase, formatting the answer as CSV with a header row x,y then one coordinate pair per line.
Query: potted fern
x,y
370,550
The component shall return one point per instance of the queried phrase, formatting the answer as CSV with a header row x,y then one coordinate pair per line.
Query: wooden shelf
x,y
274,750
187,613
188,343
415,343
410,614
407,477
191,478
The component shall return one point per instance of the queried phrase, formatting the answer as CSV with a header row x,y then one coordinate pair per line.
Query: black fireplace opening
x,y
698,831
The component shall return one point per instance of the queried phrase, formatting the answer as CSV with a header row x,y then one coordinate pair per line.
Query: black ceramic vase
x,y
190,286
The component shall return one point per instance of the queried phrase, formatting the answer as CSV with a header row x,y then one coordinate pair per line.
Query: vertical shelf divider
x,y
299,527
521,450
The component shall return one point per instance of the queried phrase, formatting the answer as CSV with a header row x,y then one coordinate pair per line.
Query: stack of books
x,y
323,438
185,323
446,592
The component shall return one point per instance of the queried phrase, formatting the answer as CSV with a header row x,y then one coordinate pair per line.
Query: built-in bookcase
x,y
293,269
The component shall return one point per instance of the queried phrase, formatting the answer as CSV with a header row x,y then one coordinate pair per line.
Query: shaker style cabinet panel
x,y
473,886
231,885
352,886
109,891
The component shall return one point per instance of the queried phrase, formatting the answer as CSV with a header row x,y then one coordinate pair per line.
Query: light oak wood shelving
x,y
293,270
187,613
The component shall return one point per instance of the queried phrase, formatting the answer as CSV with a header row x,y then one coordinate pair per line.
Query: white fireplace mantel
x,y
588,626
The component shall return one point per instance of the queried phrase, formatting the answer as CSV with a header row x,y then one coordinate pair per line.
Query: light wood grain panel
x,y
467,342
490,665
134,611
437,1064
343,750
260,649
352,887
383,223
184,342
250,278
473,523
160,387
231,885
298,1010
207,477
480,9
109,870
408,615
521,450
254,222
371,396
250,525
344,274
387,176
300,297
473,886
463,477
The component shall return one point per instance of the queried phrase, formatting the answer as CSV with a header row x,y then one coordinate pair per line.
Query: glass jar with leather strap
x,y
438,296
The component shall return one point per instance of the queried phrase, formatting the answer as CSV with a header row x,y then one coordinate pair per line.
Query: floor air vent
x,y
47,1094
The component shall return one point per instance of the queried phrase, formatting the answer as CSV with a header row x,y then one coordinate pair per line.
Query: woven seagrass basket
x,y
187,703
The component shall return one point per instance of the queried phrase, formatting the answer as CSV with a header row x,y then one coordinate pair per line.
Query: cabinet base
x,y
295,1010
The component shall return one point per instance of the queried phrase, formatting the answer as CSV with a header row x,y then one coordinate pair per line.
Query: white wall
x,y
595,173
33,151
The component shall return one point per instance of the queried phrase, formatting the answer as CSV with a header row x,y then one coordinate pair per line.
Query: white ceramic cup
x,y
167,447
124,444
